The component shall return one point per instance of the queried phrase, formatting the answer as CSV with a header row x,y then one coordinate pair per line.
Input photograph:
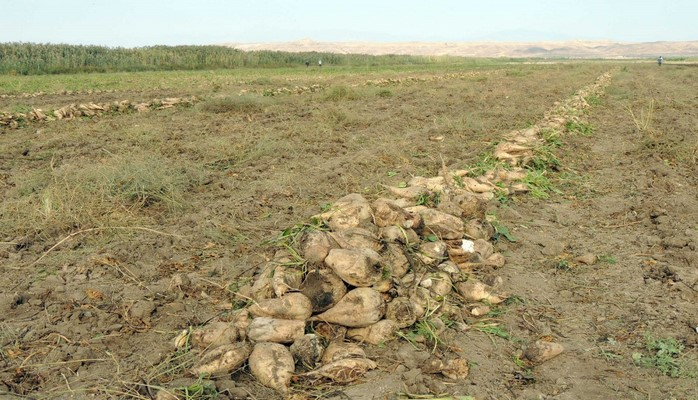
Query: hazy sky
x,y
133,23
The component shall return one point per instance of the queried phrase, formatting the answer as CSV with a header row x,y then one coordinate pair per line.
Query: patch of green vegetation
x,y
384,93
339,93
501,197
544,158
198,390
290,239
486,162
618,93
501,230
35,58
386,273
458,180
513,300
203,82
538,184
609,355
19,108
608,259
431,238
562,265
594,100
233,288
492,329
424,329
582,128
519,362
551,137
429,199
427,329
496,312
447,320
665,356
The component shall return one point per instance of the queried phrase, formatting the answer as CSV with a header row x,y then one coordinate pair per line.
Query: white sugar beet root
x,y
222,360
324,289
358,308
375,334
356,238
307,351
344,370
478,291
264,329
359,267
214,335
272,364
401,311
338,350
315,245
286,280
289,306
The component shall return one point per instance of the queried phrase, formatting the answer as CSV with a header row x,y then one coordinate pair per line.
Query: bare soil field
x,y
119,231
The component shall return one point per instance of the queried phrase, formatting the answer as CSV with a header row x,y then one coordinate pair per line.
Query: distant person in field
x,y
319,63
660,61
307,63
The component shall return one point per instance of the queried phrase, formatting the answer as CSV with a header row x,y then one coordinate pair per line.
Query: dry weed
x,y
115,191
644,120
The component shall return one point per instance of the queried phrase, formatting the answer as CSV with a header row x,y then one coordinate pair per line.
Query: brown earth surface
x,y
93,290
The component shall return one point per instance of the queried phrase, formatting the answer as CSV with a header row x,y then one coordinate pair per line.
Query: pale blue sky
x,y
133,23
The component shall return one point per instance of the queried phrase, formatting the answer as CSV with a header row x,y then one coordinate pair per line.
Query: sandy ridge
x,y
565,49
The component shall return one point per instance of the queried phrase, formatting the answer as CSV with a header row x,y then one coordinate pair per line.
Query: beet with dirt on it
x,y
289,306
358,308
272,364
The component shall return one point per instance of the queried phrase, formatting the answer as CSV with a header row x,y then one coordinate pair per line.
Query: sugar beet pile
x,y
363,271
71,111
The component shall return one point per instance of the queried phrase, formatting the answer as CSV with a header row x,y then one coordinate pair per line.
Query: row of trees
x,y
37,59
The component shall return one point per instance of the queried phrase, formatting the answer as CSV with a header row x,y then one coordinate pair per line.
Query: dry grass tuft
x,y
340,93
80,195
644,120
232,104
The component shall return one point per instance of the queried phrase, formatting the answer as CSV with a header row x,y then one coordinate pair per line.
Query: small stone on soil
x,y
541,351
587,258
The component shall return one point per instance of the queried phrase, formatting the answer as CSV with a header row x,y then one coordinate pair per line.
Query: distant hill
x,y
553,49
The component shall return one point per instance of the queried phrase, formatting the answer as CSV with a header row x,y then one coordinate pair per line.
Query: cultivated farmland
x,y
137,206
